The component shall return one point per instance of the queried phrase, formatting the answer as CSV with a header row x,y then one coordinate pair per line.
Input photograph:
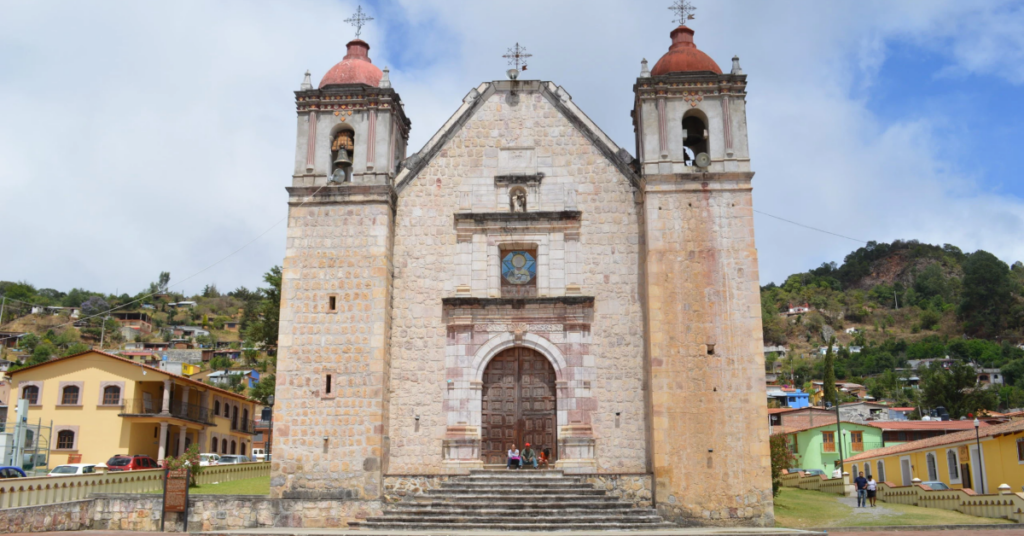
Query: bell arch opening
x,y
518,405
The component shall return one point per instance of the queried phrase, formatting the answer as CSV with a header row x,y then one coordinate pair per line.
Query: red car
x,y
131,463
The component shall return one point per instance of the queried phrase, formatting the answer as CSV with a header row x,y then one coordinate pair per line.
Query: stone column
x,y
168,385
162,449
182,432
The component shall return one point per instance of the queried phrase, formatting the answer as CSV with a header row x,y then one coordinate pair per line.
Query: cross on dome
x,y
684,11
517,56
359,20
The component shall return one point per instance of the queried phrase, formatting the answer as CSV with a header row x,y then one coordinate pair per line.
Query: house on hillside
x,y
822,446
897,432
223,377
799,309
231,326
788,397
900,414
9,339
988,376
954,459
181,304
799,418
864,411
71,312
141,322
101,404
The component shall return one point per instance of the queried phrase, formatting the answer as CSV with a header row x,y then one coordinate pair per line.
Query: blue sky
x,y
141,137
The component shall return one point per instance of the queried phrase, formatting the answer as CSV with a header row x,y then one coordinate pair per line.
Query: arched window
x,y
223,446
242,451
65,439
881,471
232,446
213,446
234,419
342,153
111,395
954,466
695,137
933,470
853,472
245,416
867,470
69,396
216,407
31,393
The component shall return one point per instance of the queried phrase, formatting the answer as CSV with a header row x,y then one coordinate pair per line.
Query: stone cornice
x,y
468,302
342,194
468,224
690,86
346,100
533,178
698,182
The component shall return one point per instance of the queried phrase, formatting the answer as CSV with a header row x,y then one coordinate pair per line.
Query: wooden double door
x,y
518,405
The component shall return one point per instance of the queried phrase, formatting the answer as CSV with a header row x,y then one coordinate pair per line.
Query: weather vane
x,y
359,20
516,56
684,11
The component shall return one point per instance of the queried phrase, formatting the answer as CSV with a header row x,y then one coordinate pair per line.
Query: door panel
x,y
518,404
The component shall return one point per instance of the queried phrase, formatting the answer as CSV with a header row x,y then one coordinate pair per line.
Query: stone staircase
x,y
524,500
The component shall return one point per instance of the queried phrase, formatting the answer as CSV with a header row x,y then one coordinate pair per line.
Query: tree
x,y
94,306
266,387
75,348
782,458
190,458
956,390
210,291
263,324
829,382
219,362
985,299
250,354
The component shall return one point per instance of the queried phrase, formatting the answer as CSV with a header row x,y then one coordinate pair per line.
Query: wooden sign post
x,y
176,494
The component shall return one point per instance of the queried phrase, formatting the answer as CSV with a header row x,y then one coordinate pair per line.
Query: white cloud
x,y
140,137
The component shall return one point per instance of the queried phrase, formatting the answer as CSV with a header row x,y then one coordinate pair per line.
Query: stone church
x,y
523,279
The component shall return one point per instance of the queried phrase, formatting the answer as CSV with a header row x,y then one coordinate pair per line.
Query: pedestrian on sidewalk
x,y
862,490
529,456
872,491
513,457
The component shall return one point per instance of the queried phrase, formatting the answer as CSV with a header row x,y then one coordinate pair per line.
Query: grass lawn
x,y
249,486
800,509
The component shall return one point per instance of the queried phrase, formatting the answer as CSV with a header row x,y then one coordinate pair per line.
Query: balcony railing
x,y
246,427
180,410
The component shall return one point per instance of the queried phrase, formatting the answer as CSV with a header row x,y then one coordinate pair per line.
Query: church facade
x,y
522,279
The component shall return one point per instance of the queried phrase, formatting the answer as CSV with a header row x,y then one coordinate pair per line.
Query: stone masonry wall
x,y
52,517
329,444
711,456
576,174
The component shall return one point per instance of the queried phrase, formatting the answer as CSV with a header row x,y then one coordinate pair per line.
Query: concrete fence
x,y
1004,505
837,486
36,491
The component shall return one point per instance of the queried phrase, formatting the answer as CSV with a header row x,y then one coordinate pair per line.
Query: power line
x,y
811,228
226,257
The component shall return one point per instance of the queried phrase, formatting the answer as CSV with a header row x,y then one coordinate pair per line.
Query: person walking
x,y
872,490
513,457
529,456
862,490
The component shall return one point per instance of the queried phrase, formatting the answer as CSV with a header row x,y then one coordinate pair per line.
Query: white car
x,y
73,469
233,458
209,459
258,455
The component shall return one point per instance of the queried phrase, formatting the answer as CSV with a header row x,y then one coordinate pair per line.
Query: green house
x,y
820,447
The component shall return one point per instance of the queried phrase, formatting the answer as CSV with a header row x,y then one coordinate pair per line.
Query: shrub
x,y
190,458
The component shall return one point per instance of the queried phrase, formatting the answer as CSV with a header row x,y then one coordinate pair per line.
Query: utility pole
x,y
3,302
103,330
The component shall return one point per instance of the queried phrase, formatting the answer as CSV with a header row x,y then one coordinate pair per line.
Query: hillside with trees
x,y
904,301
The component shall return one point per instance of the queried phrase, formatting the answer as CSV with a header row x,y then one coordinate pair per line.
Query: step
x,y
525,506
515,489
522,520
591,526
449,486
620,508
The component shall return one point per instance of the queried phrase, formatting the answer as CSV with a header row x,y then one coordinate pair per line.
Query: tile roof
x,y
134,364
791,428
948,439
927,425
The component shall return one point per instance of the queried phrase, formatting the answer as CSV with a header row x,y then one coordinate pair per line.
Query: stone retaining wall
x,y
633,488
398,488
141,512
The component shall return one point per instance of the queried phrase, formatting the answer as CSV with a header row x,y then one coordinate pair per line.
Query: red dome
x,y
356,68
683,56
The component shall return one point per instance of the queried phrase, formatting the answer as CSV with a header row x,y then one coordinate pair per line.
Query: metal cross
x,y
517,55
684,11
359,20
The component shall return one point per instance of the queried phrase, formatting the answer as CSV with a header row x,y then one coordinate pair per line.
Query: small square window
x,y
332,304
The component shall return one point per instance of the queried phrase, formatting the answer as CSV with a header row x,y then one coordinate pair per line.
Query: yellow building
x,y
101,405
952,459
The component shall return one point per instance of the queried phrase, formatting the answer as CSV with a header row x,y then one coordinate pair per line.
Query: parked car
x,y
936,485
233,458
7,471
813,472
259,455
73,469
209,459
134,462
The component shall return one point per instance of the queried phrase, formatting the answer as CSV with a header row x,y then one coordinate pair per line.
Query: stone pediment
x,y
468,224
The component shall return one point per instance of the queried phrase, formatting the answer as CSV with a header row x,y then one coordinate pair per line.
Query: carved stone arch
x,y
504,341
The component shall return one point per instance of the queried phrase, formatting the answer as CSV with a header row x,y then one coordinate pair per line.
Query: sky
x,y
141,137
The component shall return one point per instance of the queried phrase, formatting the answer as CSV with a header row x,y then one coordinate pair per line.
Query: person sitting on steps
x,y
543,459
529,456
513,457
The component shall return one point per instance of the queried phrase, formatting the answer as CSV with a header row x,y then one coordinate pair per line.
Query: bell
x,y
342,159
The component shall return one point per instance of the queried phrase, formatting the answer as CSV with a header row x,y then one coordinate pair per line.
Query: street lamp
x,y
977,439
268,417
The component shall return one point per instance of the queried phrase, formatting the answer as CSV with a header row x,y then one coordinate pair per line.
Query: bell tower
x,y
709,446
333,352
